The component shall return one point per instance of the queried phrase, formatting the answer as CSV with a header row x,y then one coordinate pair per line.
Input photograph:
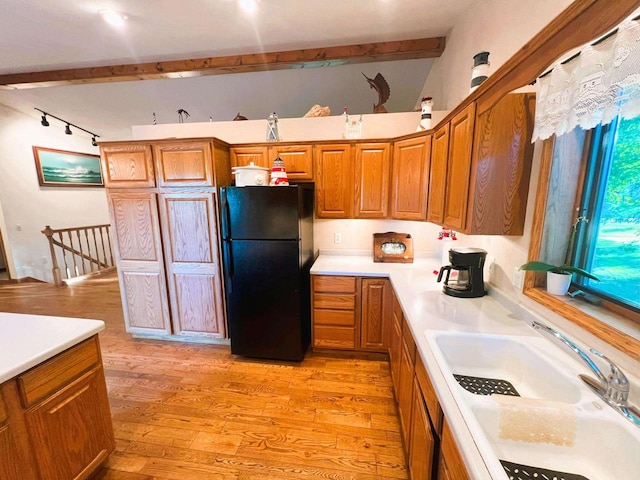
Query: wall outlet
x,y
491,264
518,278
337,238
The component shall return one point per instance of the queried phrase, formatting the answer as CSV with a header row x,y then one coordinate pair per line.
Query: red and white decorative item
x,y
447,236
278,174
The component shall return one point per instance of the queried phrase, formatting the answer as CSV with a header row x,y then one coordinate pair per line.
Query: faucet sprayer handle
x,y
617,382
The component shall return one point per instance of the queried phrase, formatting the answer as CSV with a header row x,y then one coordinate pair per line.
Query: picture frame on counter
x,y
62,168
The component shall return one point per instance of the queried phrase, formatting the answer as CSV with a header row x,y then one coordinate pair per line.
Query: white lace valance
x,y
601,83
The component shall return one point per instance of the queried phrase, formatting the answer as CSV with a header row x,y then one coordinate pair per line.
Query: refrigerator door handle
x,y
227,255
226,214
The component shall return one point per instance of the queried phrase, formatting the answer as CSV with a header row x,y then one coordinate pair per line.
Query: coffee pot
x,y
468,263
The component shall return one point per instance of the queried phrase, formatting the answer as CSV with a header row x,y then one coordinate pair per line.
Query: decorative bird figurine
x,y
182,112
380,85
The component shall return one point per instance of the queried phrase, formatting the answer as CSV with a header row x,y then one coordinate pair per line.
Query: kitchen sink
x,y
600,447
513,365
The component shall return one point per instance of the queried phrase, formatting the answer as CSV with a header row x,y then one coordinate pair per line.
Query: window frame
x,y
586,316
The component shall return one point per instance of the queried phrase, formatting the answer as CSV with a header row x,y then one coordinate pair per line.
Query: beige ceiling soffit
x,y
307,58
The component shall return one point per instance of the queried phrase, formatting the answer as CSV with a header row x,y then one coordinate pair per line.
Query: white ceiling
x,y
37,35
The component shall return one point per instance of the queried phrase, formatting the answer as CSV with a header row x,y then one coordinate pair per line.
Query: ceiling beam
x,y
255,62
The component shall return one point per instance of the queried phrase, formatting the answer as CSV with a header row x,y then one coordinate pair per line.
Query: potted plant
x,y
558,276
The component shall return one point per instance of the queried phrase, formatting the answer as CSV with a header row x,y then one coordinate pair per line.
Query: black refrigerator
x,y
267,244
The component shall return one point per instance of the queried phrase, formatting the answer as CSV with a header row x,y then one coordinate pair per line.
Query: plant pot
x,y
558,283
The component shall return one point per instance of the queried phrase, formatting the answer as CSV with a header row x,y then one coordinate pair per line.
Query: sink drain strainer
x,y
516,471
486,386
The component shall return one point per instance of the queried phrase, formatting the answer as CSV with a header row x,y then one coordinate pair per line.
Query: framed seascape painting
x,y
59,168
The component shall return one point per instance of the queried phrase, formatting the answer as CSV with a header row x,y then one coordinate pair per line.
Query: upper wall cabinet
x,y
128,166
438,176
458,168
372,172
180,164
298,160
334,180
242,156
410,179
501,167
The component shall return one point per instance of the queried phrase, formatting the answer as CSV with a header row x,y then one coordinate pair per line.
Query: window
x,y
607,228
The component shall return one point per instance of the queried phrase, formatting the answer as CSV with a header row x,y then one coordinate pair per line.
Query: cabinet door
x,y
451,462
298,160
422,444
410,179
138,251
372,170
501,168
71,431
438,176
333,166
459,168
16,460
127,166
375,313
191,250
180,164
405,391
241,156
9,455
395,345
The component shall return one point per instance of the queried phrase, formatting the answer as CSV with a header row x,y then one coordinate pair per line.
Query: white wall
x,y
500,27
24,203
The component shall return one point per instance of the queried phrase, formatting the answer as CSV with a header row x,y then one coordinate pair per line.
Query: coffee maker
x,y
468,280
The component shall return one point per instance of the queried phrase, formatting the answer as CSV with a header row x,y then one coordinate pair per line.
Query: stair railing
x,y
83,251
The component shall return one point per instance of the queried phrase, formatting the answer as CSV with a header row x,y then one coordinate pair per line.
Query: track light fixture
x,y
45,123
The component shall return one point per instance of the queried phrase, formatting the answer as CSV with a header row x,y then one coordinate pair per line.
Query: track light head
x,y
67,130
93,141
44,122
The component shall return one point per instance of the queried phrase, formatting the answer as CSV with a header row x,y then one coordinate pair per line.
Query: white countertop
x,y
27,340
427,309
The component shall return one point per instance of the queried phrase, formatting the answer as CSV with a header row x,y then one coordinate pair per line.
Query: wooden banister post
x,y
57,278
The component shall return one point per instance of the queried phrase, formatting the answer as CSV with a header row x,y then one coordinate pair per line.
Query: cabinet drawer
x,y
334,337
53,374
325,283
343,318
429,394
336,301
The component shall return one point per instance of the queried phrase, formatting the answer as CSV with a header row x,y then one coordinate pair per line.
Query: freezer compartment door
x,y
264,300
260,212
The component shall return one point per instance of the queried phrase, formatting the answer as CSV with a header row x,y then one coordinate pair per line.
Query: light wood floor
x,y
189,411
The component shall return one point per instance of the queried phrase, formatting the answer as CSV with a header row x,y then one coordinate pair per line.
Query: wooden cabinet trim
x,y
422,444
429,394
54,374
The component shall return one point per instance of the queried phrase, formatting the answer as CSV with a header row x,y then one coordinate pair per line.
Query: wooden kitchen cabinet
x,y
298,160
410,178
58,422
395,343
242,156
372,174
501,167
451,464
127,165
438,175
334,178
405,384
422,441
335,302
138,253
184,164
376,298
459,168
190,234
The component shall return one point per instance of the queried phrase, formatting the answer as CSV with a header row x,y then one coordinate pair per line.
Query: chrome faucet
x,y
613,389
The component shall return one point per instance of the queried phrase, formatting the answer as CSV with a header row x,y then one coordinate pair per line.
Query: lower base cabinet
x,y
57,421
422,441
451,466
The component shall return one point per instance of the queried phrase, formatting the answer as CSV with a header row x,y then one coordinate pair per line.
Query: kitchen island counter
x,y
28,340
